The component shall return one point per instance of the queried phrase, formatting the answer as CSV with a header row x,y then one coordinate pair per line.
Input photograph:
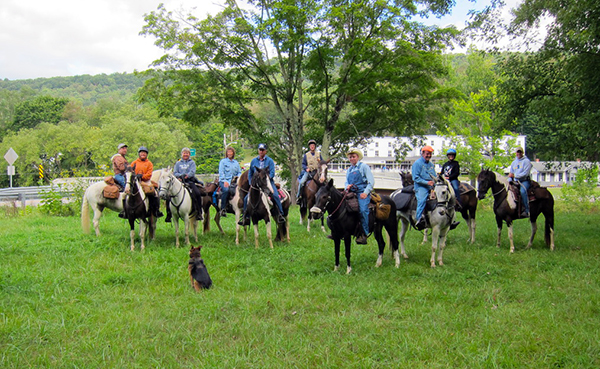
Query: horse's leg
x,y
217,220
533,232
237,213
442,245
435,236
256,235
499,225
287,229
424,237
348,246
132,233
96,221
471,223
405,226
176,223
143,233
269,234
186,229
510,237
323,225
380,244
336,250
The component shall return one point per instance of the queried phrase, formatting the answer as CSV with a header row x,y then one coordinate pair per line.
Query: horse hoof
x,y
335,268
348,270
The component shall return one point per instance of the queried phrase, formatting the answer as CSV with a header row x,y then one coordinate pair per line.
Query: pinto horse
x,y
180,204
258,206
506,206
93,198
440,219
137,207
343,224
308,192
237,203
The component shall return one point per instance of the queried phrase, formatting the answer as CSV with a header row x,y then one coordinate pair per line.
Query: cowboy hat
x,y
355,151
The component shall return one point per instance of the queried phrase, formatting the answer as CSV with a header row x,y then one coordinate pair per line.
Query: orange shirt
x,y
144,168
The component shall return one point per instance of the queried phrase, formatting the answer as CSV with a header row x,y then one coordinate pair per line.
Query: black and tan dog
x,y
198,272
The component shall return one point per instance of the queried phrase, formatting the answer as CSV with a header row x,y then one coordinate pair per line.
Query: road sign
x,y
10,170
11,156
41,170
192,152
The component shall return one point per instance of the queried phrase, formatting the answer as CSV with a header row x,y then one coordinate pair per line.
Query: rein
x,y
339,205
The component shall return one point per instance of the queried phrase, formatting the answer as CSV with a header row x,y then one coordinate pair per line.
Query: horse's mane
x,y
510,196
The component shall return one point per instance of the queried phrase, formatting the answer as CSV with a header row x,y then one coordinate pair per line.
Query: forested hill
x,y
85,88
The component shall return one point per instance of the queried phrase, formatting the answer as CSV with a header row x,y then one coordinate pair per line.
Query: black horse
x,y
506,206
345,224
258,207
137,206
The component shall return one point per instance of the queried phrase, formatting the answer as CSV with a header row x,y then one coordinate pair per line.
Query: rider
x,y
359,179
262,161
119,164
451,171
310,162
228,168
520,170
143,170
423,173
185,170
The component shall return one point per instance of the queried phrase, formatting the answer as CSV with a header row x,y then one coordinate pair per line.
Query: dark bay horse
x,y
309,190
137,207
343,224
207,202
506,206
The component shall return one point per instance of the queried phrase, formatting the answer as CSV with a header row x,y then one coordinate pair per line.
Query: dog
x,y
198,273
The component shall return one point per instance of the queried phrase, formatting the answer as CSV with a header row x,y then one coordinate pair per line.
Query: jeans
x,y
456,186
363,205
224,194
524,198
120,179
303,178
421,193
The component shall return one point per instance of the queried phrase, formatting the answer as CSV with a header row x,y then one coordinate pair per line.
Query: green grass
x,y
77,301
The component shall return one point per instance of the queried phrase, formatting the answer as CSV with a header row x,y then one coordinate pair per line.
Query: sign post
x,y
10,157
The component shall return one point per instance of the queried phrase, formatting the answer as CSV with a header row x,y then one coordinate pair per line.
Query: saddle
x,y
464,188
515,188
282,194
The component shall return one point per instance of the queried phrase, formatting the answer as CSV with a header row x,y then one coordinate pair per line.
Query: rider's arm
x,y
191,171
304,163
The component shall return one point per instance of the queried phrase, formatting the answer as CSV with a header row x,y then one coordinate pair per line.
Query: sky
x,y
41,38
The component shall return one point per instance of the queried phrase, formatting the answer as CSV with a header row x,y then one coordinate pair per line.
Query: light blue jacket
x,y
228,168
521,168
365,171
423,172
184,167
256,163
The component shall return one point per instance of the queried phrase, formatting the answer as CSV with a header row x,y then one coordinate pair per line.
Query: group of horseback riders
x,y
359,179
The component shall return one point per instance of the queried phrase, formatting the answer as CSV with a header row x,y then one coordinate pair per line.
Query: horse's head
x,y
130,178
406,178
485,179
443,190
260,180
323,170
322,199
165,183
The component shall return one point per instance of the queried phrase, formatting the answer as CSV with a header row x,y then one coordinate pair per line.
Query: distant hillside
x,y
85,88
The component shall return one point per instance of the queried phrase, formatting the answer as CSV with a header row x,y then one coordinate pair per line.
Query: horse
x,y
207,203
440,219
468,200
258,206
283,229
343,224
506,206
237,203
93,198
137,206
308,192
180,204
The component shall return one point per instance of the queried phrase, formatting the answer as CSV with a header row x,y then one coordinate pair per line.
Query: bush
x,y
582,192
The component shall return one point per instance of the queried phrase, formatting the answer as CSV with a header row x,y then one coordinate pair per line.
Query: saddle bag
x,y
111,192
148,189
109,180
352,202
382,211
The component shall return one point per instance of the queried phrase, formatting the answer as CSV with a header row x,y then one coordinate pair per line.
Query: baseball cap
x,y
262,146
121,146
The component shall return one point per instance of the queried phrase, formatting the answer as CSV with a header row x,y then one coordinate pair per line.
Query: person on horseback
x,y
310,163
451,171
185,171
520,170
360,180
228,168
423,174
119,164
143,170
262,161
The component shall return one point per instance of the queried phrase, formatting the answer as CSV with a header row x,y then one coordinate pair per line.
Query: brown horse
x,y
506,206
207,202
308,192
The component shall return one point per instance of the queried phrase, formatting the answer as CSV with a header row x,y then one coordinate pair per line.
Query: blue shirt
x,y
521,168
365,173
228,168
423,172
266,162
184,168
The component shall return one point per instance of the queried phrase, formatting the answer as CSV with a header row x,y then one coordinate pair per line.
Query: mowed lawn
x,y
69,300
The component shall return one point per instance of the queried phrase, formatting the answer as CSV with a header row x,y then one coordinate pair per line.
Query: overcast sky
x,y
42,38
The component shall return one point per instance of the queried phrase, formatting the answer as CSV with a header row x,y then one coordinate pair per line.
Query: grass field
x,y
69,300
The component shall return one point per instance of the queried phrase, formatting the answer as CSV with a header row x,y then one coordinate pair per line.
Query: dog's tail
x,y
85,214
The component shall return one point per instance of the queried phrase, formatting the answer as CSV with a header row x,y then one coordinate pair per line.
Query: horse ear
x,y
327,161
330,183
169,168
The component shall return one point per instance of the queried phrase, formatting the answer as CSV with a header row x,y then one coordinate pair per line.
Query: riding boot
x,y
223,212
421,224
199,213
362,239
169,215
123,213
245,221
280,219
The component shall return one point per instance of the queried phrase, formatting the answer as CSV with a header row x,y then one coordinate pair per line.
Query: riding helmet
x,y
451,152
142,148
312,142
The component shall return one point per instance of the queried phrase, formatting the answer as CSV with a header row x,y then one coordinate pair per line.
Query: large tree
x,y
282,70
553,92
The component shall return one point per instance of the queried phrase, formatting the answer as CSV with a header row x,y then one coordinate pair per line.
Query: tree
x,y
553,93
340,71
41,109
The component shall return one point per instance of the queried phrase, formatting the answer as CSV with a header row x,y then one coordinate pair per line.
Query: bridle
x,y
169,190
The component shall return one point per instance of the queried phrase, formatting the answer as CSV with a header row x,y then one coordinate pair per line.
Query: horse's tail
x,y
85,213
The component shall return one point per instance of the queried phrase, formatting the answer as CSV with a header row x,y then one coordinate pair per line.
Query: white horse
x,y
440,220
180,204
93,198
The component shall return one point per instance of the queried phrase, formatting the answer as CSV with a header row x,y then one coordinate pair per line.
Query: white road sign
x,y
11,156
